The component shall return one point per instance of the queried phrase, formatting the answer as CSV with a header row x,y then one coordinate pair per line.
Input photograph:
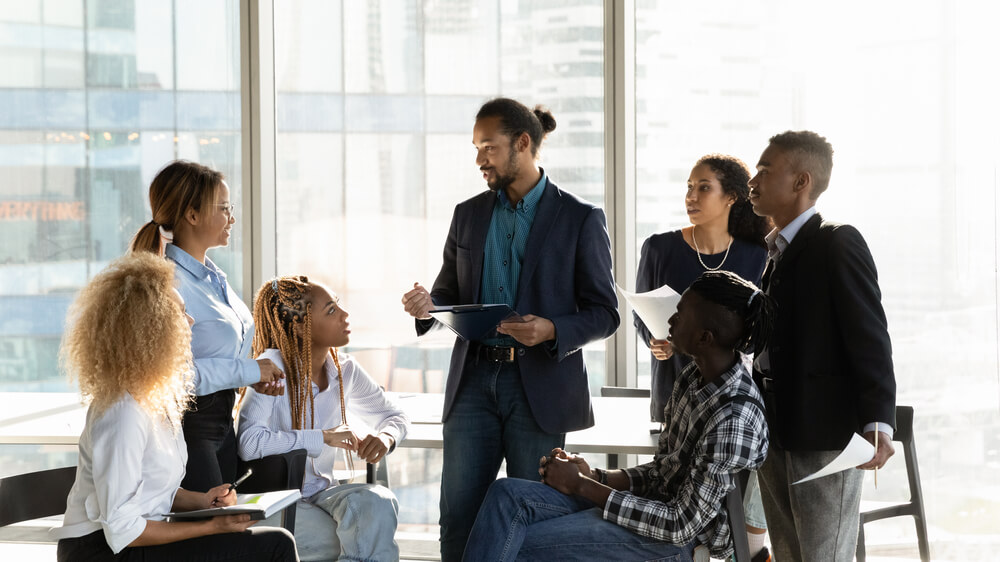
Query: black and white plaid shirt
x,y
713,432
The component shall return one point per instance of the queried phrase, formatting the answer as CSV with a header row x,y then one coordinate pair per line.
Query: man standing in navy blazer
x,y
827,370
547,254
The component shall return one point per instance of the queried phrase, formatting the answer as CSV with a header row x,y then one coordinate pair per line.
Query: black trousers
x,y
264,544
211,441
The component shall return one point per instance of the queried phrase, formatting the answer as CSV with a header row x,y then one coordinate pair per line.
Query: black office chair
x,y
621,392
276,472
625,391
24,497
914,507
737,518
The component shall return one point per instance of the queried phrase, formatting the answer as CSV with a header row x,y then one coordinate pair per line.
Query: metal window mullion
x,y
259,142
619,154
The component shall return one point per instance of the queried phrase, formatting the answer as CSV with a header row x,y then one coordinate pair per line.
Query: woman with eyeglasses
x,y
192,212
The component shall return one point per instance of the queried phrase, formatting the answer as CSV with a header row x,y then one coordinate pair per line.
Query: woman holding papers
x,y
128,345
724,234
192,213
299,326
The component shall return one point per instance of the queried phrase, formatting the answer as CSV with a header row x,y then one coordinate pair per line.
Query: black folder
x,y
473,322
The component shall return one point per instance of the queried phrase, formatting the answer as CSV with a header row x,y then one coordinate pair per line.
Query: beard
x,y
503,181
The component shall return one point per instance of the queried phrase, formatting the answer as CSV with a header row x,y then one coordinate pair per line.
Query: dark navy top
x,y
668,260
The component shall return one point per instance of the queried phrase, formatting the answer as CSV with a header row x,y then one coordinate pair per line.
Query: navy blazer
x,y
830,354
566,277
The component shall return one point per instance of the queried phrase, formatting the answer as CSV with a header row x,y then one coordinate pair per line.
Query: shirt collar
x,y
185,261
530,200
726,379
777,240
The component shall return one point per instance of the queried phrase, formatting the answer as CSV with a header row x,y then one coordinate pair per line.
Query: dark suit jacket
x,y
566,277
830,355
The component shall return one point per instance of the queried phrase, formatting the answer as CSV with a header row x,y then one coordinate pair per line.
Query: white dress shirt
x,y
129,468
223,326
265,422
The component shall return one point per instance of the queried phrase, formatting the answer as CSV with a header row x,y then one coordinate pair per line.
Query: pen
x,y
241,479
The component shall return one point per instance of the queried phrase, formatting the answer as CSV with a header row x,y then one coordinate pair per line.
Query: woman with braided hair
x,y
299,326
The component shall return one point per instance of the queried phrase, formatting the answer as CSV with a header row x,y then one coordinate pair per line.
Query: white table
x,y
621,426
57,418
41,418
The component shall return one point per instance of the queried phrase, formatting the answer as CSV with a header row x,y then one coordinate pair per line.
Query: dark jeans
x,y
264,544
490,421
211,441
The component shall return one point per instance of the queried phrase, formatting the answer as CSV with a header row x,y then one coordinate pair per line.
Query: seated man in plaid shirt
x,y
671,505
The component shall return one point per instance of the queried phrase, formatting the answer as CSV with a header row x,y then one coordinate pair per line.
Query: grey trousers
x,y
816,520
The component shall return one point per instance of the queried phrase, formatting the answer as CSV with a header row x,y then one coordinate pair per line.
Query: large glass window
x,y
375,107
96,96
901,94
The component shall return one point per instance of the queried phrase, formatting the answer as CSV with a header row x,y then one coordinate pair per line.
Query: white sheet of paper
x,y
858,451
654,308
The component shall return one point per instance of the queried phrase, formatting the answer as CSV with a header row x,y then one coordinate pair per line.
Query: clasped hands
x,y
270,379
564,471
371,448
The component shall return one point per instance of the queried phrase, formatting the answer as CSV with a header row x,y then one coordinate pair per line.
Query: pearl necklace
x,y
698,251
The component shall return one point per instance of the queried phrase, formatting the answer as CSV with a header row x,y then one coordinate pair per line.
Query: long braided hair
x,y
282,312
754,310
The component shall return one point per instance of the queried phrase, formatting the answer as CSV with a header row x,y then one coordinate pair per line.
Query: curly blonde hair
x,y
126,334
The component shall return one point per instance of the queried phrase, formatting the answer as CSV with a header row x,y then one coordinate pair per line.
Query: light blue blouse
x,y
223,326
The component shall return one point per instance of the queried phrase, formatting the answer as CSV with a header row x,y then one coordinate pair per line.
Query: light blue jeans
x,y
753,505
346,522
523,520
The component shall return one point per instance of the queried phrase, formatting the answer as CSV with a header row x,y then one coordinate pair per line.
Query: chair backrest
x,y
624,392
737,518
274,472
904,434
24,497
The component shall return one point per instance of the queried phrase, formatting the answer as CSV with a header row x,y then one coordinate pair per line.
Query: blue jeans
x,y
490,421
523,520
347,522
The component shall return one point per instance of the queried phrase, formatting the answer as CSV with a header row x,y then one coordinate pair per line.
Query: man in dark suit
x,y
546,253
827,372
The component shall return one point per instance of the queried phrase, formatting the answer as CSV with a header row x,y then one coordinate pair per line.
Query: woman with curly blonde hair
x,y
128,344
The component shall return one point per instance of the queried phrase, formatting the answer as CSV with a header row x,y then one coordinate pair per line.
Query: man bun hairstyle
x,y
810,153
516,119
753,310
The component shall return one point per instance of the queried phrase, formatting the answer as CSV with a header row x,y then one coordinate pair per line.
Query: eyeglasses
x,y
227,208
